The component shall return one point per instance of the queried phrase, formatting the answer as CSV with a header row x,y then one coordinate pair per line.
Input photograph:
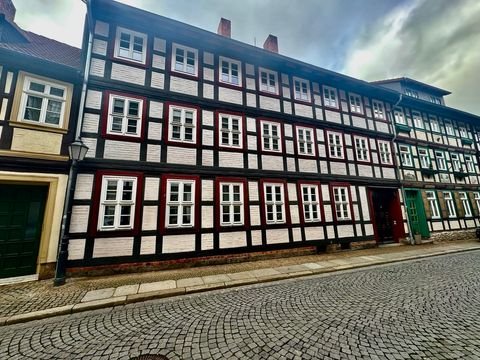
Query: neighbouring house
x,y
39,80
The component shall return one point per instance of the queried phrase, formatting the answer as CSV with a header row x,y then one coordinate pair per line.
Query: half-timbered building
x,y
38,80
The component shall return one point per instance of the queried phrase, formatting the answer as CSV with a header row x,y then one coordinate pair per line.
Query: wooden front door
x,y
21,218
416,213
387,215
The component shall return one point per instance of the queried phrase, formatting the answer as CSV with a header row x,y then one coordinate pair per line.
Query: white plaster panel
x,y
292,192
208,74
333,116
289,147
153,153
158,62
252,161
368,229
305,165
79,219
251,84
207,137
325,192
291,164
233,239
382,127
121,150
207,190
184,86
152,185
148,245
277,236
207,118
287,107
207,157
359,122
76,249
345,231
251,100
99,47
3,111
154,130
338,168
149,220
229,95
256,238
159,44
178,243
252,142
303,110
255,215
207,217
208,58
297,234
90,123
365,170
156,110
208,91
129,74
294,215
112,247
251,124
250,69
97,67
230,159
92,146
327,210
178,155
207,242
288,130
286,92
271,162
253,190
83,187
269,103
101,28
314,233
158,80
363,202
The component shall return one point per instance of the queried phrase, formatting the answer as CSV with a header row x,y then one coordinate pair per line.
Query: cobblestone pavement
x,y
426,309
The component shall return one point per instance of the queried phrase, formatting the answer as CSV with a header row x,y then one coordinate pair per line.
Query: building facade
x,y
38,80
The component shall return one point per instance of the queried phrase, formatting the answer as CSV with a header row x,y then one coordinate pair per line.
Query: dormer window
x,y
412,93
435,100
131,45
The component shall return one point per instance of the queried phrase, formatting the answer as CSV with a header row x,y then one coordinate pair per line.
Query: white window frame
x,y
301,89
183,125
341,203
231,203
269,75
268,140
355,102
180,204
449,128
184,64
303,133
405,155
435,100
465,203
362,148
338,145
399,117
463,132
378,109
230,131
412,93
131,51
450,203
424,157
46,97
385,151
125,116
118,203
275,203
441,160
470,163
228,78
476,196
330,97
456,163
417,120
310,202
434,125
433,202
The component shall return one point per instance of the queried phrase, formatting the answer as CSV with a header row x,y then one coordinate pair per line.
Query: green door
x,y
21,217
416,213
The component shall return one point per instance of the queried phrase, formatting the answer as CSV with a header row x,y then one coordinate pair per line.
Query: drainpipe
x,y
62,252
397,169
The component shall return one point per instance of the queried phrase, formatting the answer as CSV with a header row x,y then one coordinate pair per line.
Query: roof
x,y
37,46
409,81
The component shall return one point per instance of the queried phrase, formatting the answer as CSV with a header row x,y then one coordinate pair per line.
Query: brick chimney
x,y
225,28
7,9
271,44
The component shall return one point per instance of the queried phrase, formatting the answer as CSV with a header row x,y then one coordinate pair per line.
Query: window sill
x,y
184,75
39,127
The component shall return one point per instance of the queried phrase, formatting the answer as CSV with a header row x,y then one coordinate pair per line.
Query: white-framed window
x,y
470,164
385,152
434,124
465,203
449,128
335,145
271,136
131,45
463,132
399,118
417,120
455,159
449,202
124,116
180,204
441,162
378,109
305,141
355,103
274,203
476,196
268,81
230,71
182,124
405,155
424,158
184,59
341,199
361,148
411,93
230,131
311,202
43,102
435,100
117,203
301,89
231,204
330,97
433,202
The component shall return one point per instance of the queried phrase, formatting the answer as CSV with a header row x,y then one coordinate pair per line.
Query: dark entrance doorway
x,y
21,218
386,215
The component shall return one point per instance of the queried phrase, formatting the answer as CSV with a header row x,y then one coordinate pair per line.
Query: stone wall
x,y
455,235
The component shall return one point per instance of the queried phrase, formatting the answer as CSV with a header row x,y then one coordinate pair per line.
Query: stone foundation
x,y
454,235
46,271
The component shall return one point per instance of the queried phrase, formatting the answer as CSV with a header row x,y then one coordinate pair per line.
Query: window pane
x,y
225,191
109,216
125,215
174,191
118,106
187,215
37,87
127,190
173,216
117,124
133,108
54,109
187,192
32,110
132,126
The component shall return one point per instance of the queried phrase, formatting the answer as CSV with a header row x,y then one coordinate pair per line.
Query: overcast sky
x,y
434,41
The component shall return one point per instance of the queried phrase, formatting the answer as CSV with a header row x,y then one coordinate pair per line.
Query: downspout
x,y
397,168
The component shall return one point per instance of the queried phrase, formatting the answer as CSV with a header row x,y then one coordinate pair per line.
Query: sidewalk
x,y
36,300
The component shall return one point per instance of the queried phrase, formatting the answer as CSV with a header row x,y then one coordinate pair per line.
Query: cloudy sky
x,y
434,41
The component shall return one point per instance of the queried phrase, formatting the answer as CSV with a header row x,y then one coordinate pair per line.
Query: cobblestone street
x,y
427,309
